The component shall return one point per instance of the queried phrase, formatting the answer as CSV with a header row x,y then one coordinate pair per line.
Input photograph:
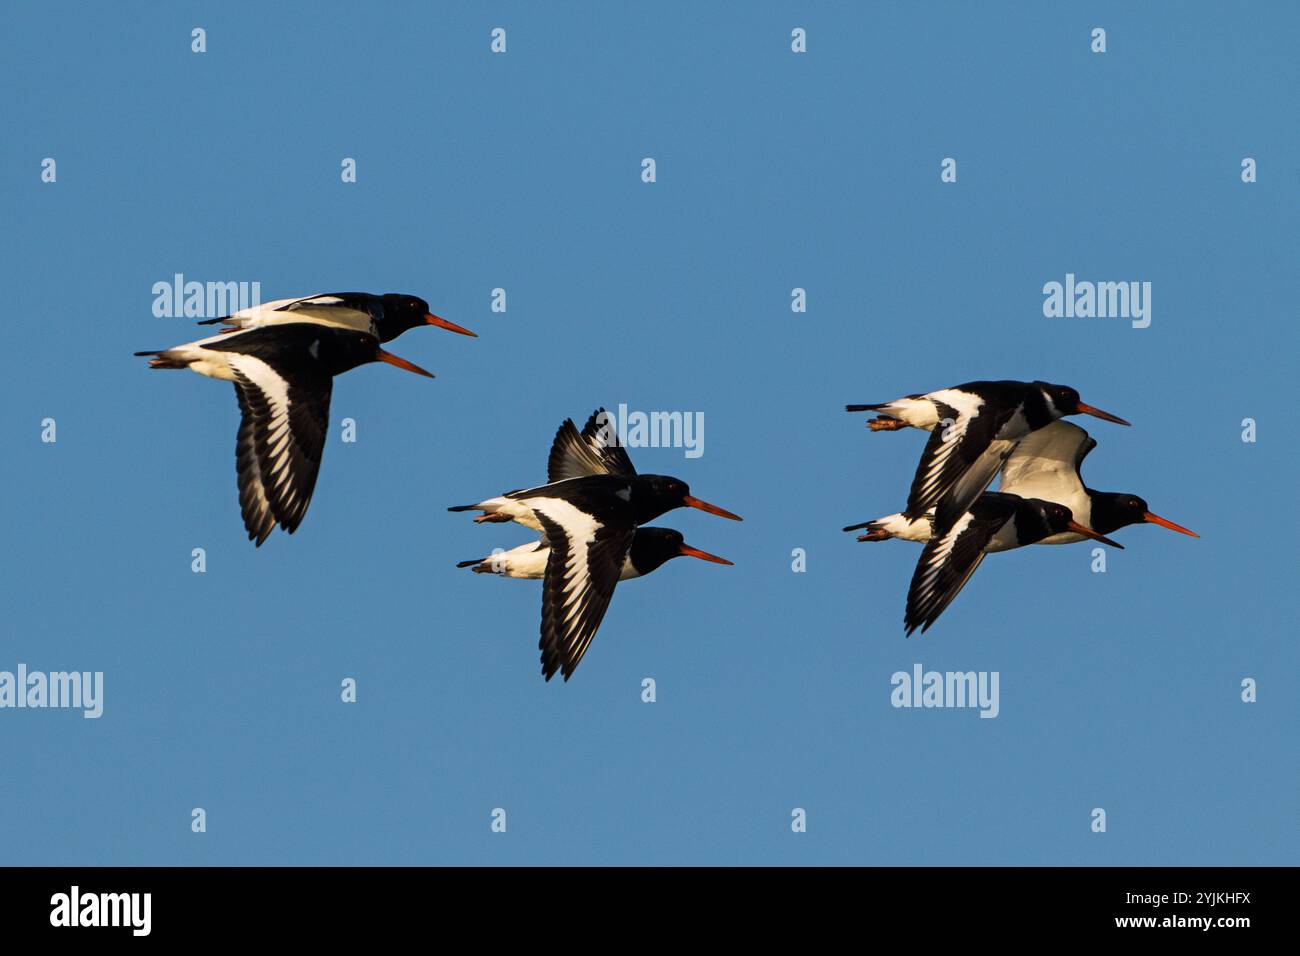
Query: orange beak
x,y
402,363
691,502
1089,533
442,323
1105,416
1150,518
690,552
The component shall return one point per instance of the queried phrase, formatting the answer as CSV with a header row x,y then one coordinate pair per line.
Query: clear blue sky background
x,y
1118,690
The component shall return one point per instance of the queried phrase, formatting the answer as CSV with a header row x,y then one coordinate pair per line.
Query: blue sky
x,y
774,171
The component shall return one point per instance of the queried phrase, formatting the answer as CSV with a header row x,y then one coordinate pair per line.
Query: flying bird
x,y
1045,464
562,650
651,548
586,468
996,522
981,425
383,316
588,516
283,376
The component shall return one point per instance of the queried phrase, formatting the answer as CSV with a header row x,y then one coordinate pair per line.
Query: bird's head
x,y
660,493
1062,400
1111,511
653,546
1058,519
404,312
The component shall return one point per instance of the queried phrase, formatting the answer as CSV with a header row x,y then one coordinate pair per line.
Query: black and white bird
x,y
383,316
981,424
593,464
283,376
651,548
996,522
1046,464
588,516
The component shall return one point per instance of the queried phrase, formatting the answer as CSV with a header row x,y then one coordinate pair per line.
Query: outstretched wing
x,y
596,450
345,310
284,414
581,573
949,559
1046,464
961,458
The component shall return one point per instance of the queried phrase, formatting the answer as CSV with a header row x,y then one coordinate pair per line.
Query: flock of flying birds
x,y
976,431
590,516
282,357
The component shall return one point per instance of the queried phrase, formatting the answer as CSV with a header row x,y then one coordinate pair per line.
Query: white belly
x,y
1003,540
528,561
918,412
212,364
900,527
525,561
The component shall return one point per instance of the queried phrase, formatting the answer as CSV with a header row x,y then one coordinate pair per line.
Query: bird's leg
x,y
885,424
491,517
878,535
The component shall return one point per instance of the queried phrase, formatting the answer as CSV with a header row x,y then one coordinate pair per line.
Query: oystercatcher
x,y
563,647
982,422
283,376
1046,464
996,522
383,316
592,468
579,579
651,547
588,516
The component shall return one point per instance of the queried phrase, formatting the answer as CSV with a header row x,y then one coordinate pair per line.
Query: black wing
x,y
960,461
597,450
581,573
284,417
949,559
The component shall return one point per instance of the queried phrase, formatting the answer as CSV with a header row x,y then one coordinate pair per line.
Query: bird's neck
x,y
1106,517
1038,410
1030,523
643,559
646,505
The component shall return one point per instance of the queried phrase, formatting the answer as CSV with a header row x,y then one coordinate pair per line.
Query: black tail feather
x,y
864,408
